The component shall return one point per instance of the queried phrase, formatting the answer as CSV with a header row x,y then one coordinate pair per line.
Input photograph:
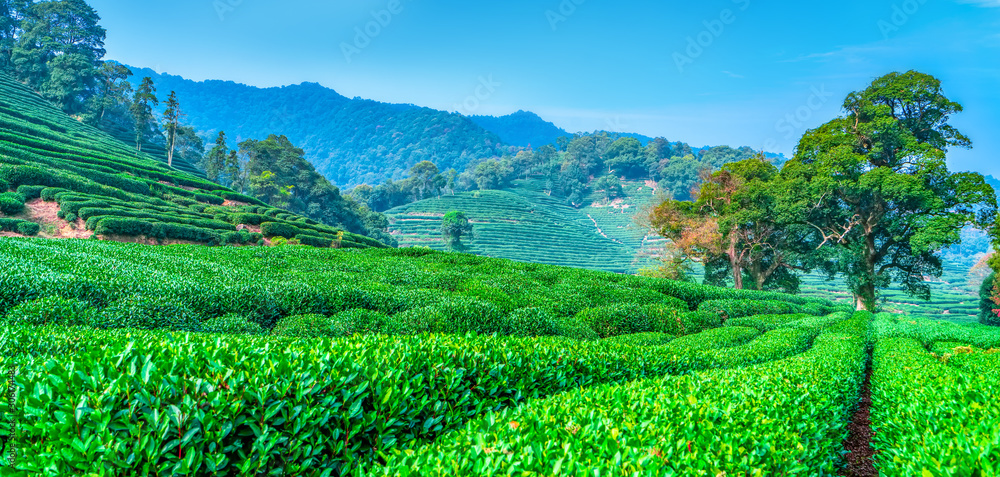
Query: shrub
x,y
128,227
147,312
987,292
11,203
640,339
357,321
533,322
28,228
249,219
209,199
4,185
278,229
697,321
303,326
51,310
314,241
455,315
571,327
727,309
232,324
629,318
19,226
29,192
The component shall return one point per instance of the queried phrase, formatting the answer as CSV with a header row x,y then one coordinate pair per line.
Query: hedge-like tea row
x,y
728,309
784,418
22,227
766,322
932,418
169,403
267,284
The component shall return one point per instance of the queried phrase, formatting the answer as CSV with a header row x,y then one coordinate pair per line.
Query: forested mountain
x,y
350,141
522,129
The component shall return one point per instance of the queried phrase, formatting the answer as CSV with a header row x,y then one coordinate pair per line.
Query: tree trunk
x,y
866,292
734,264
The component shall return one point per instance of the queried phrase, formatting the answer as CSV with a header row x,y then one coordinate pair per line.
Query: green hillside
x,y
60,178
526,224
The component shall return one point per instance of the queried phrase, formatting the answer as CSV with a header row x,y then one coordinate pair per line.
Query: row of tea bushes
x,y
430,291
788,417
934,416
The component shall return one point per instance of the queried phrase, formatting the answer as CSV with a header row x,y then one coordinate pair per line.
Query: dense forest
x,y
349,141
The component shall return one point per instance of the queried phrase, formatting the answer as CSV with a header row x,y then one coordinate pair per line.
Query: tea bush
x,y
146,312
11,203
232,323
52,310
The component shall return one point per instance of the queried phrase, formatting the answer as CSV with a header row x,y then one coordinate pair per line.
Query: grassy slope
x,y
526,224
41,146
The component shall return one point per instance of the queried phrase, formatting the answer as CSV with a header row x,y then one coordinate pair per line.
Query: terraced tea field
x,y
526,224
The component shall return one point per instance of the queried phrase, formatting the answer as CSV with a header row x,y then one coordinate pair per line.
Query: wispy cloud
x,y
733,75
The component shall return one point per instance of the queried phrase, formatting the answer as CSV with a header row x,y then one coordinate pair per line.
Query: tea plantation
x,y
97,185
189,360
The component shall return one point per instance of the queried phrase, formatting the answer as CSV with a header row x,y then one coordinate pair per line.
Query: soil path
x,y
860,453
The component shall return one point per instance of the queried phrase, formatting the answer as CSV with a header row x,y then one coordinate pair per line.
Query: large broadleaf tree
x,y
875,187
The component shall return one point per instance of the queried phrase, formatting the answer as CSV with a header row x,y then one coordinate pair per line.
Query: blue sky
x,y
758,73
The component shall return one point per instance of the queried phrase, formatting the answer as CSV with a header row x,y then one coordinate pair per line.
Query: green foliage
x,y
4,185
682,424
454,225
11,203
728,309
988,306
882,171
639,339
147,312
358,321
925,407
30,192
28,228
765,323
51,310
232,323
22,227
304,326
616,320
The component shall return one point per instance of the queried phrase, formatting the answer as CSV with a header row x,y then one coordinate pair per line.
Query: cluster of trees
x,y
868,196
572,168
454,226
276,171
